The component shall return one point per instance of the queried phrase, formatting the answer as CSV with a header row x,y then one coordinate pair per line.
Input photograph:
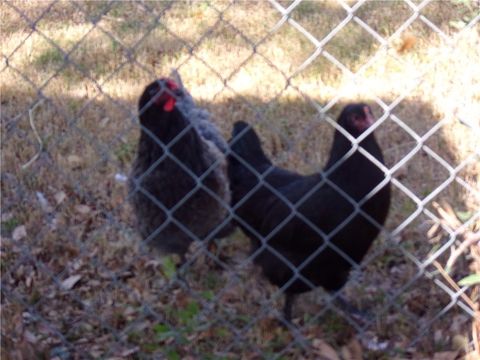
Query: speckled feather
x,y
200,118
155,193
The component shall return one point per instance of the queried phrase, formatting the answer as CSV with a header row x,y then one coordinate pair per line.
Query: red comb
x,y
172,85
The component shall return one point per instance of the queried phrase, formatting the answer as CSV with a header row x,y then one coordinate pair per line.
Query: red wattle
x,y
169,105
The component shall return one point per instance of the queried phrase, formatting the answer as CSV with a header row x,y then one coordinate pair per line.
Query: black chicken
x,y
309,231
179,184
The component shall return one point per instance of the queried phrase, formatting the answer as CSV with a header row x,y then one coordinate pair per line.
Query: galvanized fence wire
x,y
110,215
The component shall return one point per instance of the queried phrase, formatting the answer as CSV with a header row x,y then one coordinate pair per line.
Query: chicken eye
x,y
153,92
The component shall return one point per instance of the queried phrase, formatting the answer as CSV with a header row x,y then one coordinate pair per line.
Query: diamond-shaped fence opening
x,y
239,258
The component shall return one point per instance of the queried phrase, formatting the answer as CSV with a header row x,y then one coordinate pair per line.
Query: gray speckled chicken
x,y
179,184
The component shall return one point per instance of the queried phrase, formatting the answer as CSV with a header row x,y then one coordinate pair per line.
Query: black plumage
x,y
310,223
179,184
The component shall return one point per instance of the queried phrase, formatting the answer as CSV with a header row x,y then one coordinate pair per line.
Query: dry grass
x,y
122,302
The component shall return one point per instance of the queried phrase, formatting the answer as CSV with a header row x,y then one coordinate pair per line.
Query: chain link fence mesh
x,y
76,283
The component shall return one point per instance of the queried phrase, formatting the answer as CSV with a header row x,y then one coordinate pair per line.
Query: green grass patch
x,y
9,225
125,152
49,57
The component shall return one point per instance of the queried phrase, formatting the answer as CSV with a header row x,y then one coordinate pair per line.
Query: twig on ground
x,y
470,239
32,125
453,284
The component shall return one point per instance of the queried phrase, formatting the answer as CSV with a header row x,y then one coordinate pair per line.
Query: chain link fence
x,y
76,282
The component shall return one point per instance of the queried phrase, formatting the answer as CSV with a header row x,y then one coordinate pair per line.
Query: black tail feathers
x,y
246,144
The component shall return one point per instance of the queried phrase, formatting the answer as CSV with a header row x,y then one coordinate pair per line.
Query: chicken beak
x,y
368,116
